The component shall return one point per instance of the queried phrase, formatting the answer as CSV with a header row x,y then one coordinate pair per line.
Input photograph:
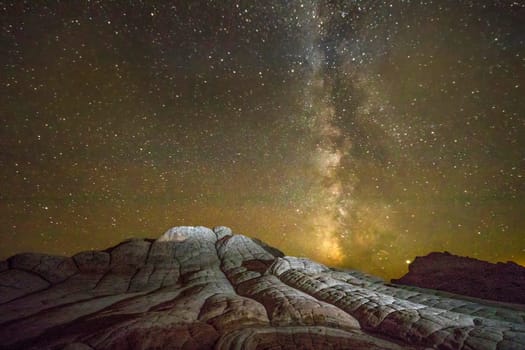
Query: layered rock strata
x,y
503,282
197,288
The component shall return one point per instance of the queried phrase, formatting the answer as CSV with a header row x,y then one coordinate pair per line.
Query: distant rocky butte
x,y
467,276
197,288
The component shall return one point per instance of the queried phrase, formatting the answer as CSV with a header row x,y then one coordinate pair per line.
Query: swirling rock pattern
x,y
197,288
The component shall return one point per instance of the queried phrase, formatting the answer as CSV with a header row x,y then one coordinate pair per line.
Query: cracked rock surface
x,y
197,288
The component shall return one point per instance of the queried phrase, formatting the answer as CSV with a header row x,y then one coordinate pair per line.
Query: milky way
x,y
358,133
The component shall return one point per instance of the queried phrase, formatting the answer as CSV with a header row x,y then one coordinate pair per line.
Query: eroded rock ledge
x,y
197,288
503,282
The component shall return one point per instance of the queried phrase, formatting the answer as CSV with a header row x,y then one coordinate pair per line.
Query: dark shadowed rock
x,y
467,276
4,265
196,288
274,251
92,261
53,269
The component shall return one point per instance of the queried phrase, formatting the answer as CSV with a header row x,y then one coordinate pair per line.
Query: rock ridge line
x,y
201,288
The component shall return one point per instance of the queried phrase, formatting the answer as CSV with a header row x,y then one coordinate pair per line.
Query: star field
x,y
358,133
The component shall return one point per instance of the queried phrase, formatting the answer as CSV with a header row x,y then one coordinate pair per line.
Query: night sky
x,y
357,133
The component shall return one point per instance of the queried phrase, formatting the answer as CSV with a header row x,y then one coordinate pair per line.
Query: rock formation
x,y
196,288
467,276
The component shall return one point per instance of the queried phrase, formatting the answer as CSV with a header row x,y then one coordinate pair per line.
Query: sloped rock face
x,y
196,288
467,276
